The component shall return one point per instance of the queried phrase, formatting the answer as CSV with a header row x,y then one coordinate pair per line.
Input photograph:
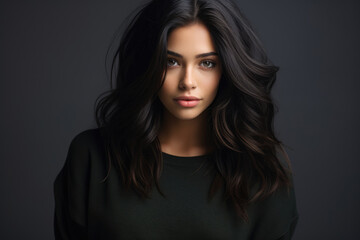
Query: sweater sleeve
x,y
71,192
278,214
288,235
285,205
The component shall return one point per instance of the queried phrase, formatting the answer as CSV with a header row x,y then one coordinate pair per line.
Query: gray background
x,y
52,69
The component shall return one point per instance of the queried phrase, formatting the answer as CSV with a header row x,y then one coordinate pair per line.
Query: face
x,y
193,70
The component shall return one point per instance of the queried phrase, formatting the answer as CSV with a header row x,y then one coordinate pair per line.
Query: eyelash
x,y
205,61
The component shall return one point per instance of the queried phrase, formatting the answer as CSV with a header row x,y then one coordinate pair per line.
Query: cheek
x,y
211,84
166,89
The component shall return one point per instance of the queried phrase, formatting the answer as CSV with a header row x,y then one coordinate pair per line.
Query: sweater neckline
x,y
184,160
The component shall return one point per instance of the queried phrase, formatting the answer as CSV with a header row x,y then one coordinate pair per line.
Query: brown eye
x,y
208,64
171,62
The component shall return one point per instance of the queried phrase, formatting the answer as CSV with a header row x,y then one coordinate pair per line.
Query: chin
x,y
189,115
183,116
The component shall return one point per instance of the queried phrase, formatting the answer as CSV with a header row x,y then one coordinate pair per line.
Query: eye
x,y
171,62
208,64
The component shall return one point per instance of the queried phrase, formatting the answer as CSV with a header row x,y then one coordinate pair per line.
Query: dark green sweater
x,y
85,208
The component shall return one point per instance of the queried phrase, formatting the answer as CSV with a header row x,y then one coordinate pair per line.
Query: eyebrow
x,y
197,56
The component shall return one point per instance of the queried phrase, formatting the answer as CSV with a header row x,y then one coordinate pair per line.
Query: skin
x,y
184,130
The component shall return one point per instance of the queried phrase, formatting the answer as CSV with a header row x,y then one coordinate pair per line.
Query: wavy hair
x,y
240,117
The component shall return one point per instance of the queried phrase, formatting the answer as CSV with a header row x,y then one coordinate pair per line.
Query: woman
x,y
185,147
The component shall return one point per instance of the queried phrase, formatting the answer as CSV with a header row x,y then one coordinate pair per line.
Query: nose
x,y
187,80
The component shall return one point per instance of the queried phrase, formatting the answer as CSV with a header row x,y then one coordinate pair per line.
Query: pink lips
x,y
187,101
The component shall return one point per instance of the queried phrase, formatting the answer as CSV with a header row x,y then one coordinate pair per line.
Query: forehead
x,y
191,40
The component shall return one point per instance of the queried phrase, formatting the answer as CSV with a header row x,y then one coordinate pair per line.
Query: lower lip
x,y
184,103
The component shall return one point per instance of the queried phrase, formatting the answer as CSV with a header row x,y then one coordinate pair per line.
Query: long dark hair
x,y
240,117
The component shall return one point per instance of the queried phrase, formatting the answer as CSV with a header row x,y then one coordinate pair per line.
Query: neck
x,y
185,137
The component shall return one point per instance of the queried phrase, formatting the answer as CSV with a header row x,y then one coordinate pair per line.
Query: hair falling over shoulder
x,y
240,117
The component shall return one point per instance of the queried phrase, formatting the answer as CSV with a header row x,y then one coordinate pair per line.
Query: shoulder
x,y
89,141
86,139
84,147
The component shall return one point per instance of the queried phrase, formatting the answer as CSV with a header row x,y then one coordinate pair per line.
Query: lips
x,y
187,101
187,98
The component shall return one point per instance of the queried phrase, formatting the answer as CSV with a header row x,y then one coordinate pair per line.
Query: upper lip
x,y
187,98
